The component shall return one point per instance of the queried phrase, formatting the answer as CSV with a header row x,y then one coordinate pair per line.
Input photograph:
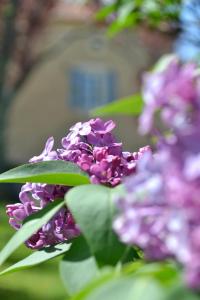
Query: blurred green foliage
x,y
40,283
127,13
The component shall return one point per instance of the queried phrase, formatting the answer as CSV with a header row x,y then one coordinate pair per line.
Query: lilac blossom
x,y
176,91
34,197
91,146
160,211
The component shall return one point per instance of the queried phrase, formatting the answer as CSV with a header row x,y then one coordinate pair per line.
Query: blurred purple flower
x,y
161,209
175,90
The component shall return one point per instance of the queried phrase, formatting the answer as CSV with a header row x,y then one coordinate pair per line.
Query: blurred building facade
x,y
84,70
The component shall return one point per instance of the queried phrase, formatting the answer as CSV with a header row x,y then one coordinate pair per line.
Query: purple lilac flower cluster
x,y
91,146
161,210
175,91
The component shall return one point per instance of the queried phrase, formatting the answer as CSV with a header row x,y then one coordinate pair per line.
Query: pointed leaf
x,y
33,224
93,209
78,267
132,282
129,106
38,257
51,172
117,287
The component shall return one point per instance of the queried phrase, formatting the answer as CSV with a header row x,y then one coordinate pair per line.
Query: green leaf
x,y
124,11
51,172
32,225
93,208
78,267
129,106
165,272
105,12
131,282
116,289
38,257
105,276
180,291
128,288
137,281
117,285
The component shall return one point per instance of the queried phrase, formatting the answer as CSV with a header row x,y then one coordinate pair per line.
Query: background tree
x,y
21,22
